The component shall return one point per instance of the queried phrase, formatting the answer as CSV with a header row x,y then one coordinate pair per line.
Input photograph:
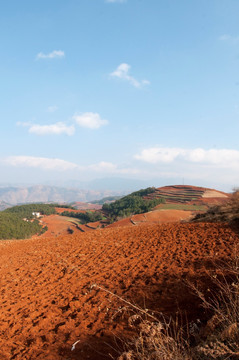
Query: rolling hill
x,y
187,194
71,295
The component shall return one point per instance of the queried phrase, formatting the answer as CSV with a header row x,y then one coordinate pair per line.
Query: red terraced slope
x,y
189,194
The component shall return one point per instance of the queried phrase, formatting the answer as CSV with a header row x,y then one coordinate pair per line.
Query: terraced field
x,y
183,194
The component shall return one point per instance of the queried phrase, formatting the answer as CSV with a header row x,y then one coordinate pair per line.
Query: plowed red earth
x,y
48,302
57,225
154,217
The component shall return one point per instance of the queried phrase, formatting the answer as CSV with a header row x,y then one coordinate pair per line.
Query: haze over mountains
x,y
42,193
69,191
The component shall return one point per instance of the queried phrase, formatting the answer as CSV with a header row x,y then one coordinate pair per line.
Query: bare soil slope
x,y
48,301
58,225
154,217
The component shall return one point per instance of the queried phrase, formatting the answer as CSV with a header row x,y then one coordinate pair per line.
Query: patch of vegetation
x,y
184,207
12,226
106,200
228,212
25,211
143,192
64,206
88,216
132,204
18,222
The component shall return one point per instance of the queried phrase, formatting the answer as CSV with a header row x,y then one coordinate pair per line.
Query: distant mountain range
x,y
115,184
41,193
13,195
4,205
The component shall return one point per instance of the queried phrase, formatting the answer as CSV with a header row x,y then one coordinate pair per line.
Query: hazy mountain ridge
x,y
4,205
41,193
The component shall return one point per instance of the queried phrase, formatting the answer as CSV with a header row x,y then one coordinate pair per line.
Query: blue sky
x,y
134,89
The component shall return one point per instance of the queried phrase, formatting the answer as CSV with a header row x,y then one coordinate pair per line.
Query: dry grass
x,y
166,339
157,341
228,212
219,339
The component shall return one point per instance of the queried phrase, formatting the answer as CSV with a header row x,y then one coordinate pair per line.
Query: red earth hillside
x,y
182,202
188,194
49,300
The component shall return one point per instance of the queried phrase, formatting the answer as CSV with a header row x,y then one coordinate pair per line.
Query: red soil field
x,y
154,217
48,301
61,210
57,225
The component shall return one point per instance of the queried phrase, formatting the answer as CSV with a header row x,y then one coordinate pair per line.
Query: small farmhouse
x,y
36,214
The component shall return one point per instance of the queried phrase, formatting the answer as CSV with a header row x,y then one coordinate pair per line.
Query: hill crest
x,y
189,194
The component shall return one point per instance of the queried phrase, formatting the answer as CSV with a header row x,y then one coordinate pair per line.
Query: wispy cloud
x,y
40,162
90,120
122,72
229,38
52,108
49,164
52,129
213,157
103,166
52,55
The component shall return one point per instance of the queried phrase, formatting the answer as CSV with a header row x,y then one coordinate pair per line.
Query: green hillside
x,y
135,203
18,222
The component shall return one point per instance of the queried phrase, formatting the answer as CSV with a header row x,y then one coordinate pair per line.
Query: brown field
x,y
154,217
48,301
57,225
61,210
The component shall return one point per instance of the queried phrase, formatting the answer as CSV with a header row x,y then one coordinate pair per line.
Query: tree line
x,y
132,204
88,216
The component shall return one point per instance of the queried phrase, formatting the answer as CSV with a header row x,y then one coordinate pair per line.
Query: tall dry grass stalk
x,y
220,337
155,339
165,339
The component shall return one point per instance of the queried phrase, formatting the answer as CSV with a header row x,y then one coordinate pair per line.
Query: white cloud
x,y
90,120
42,163
39,162
155,154
103,166
229,38
220,157
122,72
52,108
213,157
53,55
53,129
